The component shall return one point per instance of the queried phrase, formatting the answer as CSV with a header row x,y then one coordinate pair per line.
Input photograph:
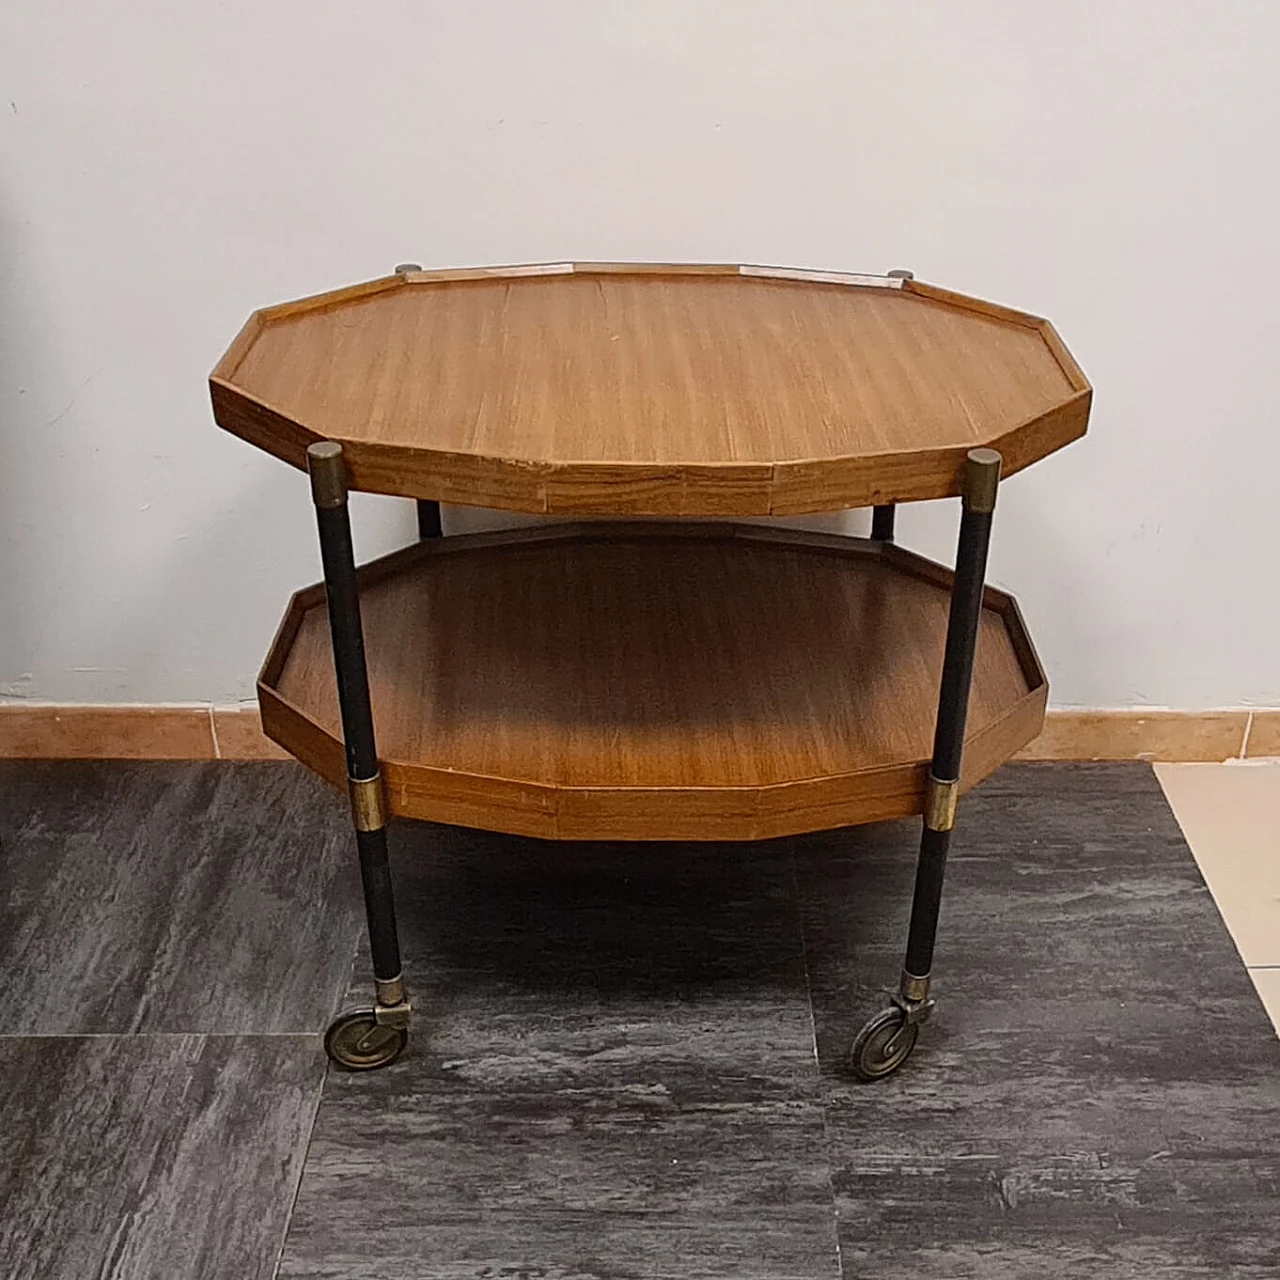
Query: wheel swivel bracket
x,y
392,1015
914,1012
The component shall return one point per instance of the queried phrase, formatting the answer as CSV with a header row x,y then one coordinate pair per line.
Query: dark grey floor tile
x,y
570,1245
173,898
614,1076
612,1070
134,1157
538,963
1100,1088
1017,1253
629,1181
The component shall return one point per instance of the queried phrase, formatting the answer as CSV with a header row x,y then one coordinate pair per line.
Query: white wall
x,y
166,168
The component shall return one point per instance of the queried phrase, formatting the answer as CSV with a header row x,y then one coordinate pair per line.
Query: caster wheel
x,y
882,1046
359,1042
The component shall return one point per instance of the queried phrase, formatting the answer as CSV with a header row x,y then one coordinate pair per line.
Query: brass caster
x,y
358,1041
883,1045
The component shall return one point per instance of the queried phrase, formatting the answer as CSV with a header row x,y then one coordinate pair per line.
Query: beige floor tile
x,y
1229,814
1268,983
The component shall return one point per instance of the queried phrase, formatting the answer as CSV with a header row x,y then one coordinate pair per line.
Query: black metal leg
x,y
886,1041
882,523
428,519
367,1038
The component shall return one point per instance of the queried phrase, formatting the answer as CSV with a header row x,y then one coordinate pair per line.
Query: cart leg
x,y
428,519
428,512
882,523
887,1040
363,1038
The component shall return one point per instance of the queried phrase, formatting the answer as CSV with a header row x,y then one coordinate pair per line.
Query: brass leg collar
x,y
981,480
367,808
389,992
328,474
913,989
940,804
392,1008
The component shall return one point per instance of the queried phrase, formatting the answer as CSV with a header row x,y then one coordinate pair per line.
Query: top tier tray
x,y
607,389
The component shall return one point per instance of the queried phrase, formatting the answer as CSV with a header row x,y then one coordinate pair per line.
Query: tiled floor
x,y
1230,816
626,1062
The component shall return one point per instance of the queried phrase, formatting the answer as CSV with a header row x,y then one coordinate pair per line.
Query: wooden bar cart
x,y
651,679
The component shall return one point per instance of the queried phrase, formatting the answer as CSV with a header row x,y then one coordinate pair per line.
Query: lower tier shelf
x,y
653,682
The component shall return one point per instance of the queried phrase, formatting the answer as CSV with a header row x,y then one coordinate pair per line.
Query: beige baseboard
x,y
133,733
34,732
1136,734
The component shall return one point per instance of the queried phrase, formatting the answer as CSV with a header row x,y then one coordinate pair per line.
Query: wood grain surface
x,y
607,390
653,682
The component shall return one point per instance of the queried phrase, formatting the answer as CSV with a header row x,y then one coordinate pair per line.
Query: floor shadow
x,y
611,918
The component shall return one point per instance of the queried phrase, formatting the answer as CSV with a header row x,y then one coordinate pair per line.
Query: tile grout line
x,y
302,1169
315,1115
213,733
817,1065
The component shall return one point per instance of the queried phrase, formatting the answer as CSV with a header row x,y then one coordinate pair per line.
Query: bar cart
x,y
651,679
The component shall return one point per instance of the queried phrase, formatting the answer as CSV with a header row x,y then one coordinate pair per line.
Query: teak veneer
x,y
608,389
706,682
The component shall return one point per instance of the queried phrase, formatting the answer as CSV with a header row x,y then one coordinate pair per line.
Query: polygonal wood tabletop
x,y
607,389
602,681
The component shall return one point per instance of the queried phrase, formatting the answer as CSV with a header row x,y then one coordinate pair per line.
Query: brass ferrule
x,y
367,808
390,990
328,474
982,479
940,804
913,989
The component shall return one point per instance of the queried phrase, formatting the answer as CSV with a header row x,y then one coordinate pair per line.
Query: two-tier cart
x,y
632,678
